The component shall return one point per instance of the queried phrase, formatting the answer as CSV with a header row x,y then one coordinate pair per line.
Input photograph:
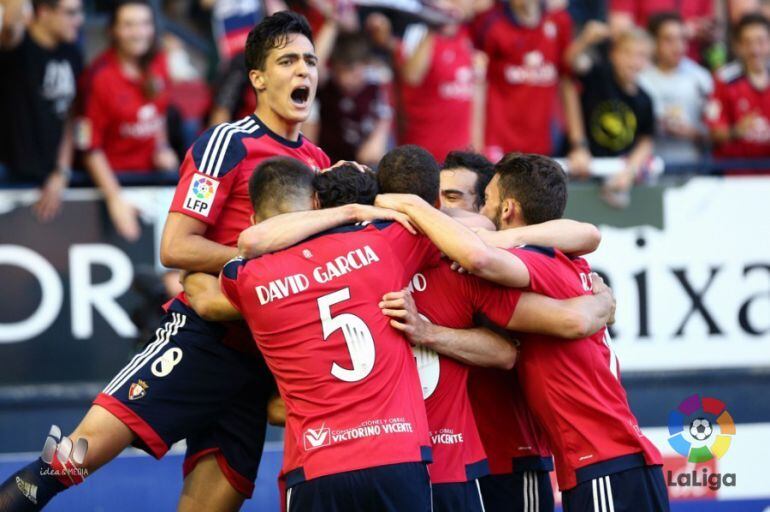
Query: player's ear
x,y
316,201
258,79
510,211
253,218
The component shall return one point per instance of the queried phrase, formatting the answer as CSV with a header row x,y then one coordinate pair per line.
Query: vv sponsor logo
x,y
316,438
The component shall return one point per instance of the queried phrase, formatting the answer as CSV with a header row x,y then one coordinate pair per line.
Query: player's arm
x,y
459,243
569,236
477,346
288,229
570,319
183,245
206,298
416,62
276,411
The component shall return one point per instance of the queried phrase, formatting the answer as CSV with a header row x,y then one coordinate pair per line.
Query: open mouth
x,y
300,95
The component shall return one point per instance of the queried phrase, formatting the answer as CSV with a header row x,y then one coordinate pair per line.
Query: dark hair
x,y
748,20
278,181
51,4
345,184
150,86
658,19
350,49
537,182
409,170
479,164
271,33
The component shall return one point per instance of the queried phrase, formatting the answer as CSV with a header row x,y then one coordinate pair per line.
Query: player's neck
x,y
667,67
287,129
41,36
129,64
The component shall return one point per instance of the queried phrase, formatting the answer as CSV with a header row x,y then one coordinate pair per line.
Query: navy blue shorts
x,y
187,384
392,488
457,497
522,491
641,489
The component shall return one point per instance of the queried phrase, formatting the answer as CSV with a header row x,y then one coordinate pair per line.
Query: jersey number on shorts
x,y
358,338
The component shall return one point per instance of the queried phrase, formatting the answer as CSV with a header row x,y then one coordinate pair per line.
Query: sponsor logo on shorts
x,y
163,365
200,195
137,390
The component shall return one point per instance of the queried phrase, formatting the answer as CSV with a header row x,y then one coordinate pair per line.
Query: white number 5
x,y
357,337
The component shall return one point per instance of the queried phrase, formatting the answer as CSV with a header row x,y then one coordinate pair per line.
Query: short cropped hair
x,y
271,33
277,183
409,169
537,182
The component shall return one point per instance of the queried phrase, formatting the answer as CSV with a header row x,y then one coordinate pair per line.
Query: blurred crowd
x,y
634,80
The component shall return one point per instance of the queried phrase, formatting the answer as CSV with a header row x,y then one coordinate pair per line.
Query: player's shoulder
x,y
730,73
220,149
316,152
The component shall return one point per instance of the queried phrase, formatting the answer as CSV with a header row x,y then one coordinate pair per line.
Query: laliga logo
x,y
701,429
203,188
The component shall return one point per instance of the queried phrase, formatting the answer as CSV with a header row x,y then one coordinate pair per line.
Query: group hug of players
x,y
312,283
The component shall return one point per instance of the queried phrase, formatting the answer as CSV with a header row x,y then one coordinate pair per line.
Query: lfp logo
x,y
203,188
700,429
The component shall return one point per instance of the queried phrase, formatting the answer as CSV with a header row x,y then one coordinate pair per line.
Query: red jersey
x,y
522,76
573,386
437,113
734,99
348,378
511,436
214,180
119,117
641,10
450,299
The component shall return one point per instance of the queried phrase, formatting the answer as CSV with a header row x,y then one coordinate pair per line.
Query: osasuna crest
x,y
137,390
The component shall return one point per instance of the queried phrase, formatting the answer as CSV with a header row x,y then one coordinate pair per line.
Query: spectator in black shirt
x,y
39,64
617,113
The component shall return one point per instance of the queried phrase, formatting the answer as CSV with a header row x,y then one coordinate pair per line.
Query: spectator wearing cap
x,y
617,112
39,65
679,89
738,113
463,179
123,127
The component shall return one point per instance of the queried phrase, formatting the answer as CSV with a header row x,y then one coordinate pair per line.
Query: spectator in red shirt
x,y
436,81
527,48
738,113
125,102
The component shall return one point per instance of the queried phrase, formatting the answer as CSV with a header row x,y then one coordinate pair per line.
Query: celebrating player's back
x,y
349,381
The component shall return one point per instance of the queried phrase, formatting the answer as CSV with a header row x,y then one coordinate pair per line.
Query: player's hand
x,y
368,213
599,287
402,310
396,202
49,203
125,218
458,268
355,164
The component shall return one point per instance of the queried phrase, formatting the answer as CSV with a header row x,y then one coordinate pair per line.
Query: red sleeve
x,y
547,273
415,252
228,281
495,302
207,175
